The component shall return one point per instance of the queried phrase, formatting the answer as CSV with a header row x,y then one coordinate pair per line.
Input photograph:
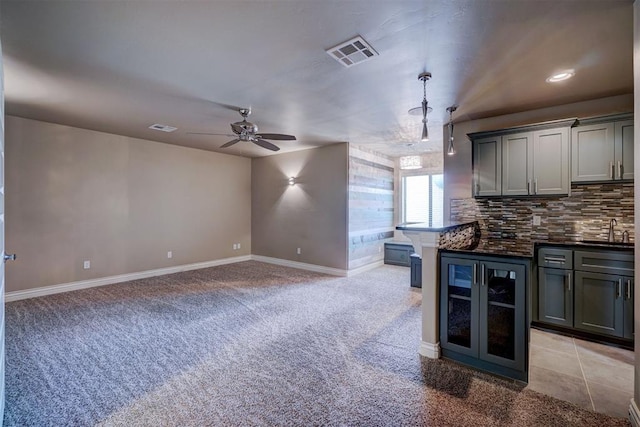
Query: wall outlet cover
x,y
86,265
170,254
536,220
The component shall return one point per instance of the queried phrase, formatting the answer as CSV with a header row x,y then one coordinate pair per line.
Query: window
x,y
422,199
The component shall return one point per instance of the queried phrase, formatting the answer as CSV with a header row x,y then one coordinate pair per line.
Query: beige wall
x,y
311,215
457,168
122,203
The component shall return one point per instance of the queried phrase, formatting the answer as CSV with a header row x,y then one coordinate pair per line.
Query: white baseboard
x,y
84,284
101,281
432,351
634,414
301,265
364,268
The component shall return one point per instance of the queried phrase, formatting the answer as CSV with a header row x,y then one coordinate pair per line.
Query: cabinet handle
x,y
482,274
475,274
619,169
535,186
528,187
568,282
611,168
619,289
554,260
477,188
627,291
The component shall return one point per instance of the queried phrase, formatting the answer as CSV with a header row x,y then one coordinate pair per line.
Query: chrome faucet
x,y
611,224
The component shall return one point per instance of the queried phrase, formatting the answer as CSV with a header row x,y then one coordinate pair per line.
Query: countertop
x,y
522,248
423,226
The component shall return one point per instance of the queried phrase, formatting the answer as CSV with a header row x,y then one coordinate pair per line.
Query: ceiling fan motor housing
x,y
244,127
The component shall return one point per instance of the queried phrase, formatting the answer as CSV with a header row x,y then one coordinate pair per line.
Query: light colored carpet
x,y
250,344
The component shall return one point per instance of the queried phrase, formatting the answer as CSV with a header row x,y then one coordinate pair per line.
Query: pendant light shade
x,y
425,105
451,149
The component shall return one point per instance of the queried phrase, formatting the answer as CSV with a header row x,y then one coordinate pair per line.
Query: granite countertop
x,y
524,248
423,226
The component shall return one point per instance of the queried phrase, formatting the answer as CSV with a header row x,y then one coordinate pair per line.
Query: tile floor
x,y
591,375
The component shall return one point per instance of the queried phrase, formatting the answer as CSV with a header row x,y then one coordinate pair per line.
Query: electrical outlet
x,y
235,246
536,220
379,248
170,254
238,245
86,265
299,251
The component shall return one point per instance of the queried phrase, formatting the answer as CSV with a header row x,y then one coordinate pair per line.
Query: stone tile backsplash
x,y
584,215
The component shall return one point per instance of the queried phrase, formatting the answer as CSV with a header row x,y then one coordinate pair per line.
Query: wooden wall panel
x,y
371,205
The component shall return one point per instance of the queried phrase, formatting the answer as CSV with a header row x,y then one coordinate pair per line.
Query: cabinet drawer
x,y
555,258
397,254
605,262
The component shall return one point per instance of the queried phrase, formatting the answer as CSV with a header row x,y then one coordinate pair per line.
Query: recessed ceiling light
x,y
561,76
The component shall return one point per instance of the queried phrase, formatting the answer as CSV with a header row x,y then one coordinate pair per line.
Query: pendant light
x,y
451,150
425,105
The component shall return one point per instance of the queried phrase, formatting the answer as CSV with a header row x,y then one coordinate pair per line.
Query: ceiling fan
x,y
247,131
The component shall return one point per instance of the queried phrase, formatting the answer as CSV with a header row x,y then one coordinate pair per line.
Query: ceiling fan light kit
x,y
247,131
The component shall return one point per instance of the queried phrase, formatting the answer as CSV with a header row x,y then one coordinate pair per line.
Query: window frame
x,y
418,172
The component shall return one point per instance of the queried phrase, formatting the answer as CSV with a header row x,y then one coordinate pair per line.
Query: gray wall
x,y
457,168
122,203
371,192
311,215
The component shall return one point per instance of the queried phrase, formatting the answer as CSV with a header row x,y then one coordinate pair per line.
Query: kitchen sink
x,y
605,243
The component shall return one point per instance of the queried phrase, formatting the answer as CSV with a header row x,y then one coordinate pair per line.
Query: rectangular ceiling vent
x,y
352,52
162,128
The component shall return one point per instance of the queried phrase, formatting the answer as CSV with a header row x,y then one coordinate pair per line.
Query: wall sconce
x,y
451,150
292,181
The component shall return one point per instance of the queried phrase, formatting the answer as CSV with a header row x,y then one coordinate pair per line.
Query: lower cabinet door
x,y
628,308
599,303
459,305
502,314
555,296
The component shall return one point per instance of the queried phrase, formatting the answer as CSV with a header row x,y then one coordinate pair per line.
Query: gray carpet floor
x,y
250,344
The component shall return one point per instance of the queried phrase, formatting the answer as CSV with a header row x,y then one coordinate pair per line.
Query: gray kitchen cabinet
x,y
524,161
555,296
599,303
555,286
487,172
550,154
483,312
517,164
592,152
602,151
628,308
623,132
598,300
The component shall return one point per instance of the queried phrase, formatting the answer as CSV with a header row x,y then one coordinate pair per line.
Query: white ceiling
x,y
120,66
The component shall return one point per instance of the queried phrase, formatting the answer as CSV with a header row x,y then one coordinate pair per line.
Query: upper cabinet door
x,y
517,164
593,153
624,149
550,162
487,161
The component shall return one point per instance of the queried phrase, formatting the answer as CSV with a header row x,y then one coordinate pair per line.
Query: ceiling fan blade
x,y
265,144
276,136
207,133
230,143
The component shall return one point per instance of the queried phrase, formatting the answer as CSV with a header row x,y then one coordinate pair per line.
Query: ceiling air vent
x,y
162,128
352,52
